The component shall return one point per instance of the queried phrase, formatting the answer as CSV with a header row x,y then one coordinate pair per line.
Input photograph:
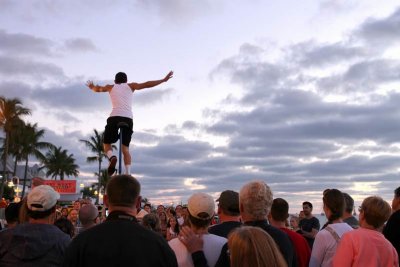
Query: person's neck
x,y
309,216
89,225
46,220
365,225
337,221
277,224
200,231
347,215
227,218
128,210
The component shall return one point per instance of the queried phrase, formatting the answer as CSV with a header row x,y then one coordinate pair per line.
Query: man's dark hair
x,y
397,192
199,223
123,190
333,199
308,204
66,226
349,201
11,212
279,209
35,214
230,213
147,205
121,77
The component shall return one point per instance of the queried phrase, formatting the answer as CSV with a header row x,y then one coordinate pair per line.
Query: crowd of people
x,y
252,229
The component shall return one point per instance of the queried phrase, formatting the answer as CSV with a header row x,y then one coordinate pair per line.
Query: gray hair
x,y
256,199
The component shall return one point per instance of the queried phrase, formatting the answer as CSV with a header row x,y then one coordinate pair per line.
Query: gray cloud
x,y
24,44
19,67
310,54
364,76
80,45
177,11
383,31
151,96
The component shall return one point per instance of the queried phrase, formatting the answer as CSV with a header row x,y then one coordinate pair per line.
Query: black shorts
x,y
111,131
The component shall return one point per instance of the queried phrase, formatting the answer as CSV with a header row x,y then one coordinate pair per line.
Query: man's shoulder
x,y
214,238
292,234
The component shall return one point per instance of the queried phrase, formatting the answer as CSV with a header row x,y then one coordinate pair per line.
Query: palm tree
x,y
95,145
58,163
14,145
10,112
31,145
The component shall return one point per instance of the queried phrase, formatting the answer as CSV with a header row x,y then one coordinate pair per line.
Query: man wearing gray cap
x,y
38,242
228,212
201,210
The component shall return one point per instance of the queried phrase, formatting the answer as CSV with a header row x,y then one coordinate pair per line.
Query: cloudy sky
x,y
301,94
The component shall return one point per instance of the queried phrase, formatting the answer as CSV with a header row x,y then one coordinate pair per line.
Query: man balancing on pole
x,y
121,100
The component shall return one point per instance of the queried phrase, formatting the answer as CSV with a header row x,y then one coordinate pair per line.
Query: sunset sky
x,y
301,94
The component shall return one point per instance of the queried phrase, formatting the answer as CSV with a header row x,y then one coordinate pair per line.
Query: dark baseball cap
x,y
229,200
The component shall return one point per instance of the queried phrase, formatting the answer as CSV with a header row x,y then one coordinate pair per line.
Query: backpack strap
x,y
333,233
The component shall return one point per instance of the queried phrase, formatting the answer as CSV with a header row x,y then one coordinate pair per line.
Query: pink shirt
x,y
367,248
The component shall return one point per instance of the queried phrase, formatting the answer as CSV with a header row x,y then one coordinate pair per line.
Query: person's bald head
x,y
88,214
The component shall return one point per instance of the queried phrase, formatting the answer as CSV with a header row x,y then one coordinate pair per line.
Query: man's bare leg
x,y
127,159
111,158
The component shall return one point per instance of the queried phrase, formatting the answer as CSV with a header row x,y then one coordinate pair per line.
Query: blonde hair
x,y
256,199
376,211
253,247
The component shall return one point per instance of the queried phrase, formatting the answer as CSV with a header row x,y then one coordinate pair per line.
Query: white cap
x,y
201,203
42,198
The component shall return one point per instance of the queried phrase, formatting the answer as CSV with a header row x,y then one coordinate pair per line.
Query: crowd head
x,y
253,247
374,211
255,200
334,204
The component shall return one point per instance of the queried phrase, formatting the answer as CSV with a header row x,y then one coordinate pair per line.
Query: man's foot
x,y
111,166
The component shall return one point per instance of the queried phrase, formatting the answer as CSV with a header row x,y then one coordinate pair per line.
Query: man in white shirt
x,y
201,210
121,100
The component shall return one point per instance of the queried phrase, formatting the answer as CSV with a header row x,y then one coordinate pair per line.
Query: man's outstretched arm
x,y
98,88
139,86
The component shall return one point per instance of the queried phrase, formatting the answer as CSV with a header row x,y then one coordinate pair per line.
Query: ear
x,y
138,202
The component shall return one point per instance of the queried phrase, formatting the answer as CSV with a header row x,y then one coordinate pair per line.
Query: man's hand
x,y
90,84
192,241
169,76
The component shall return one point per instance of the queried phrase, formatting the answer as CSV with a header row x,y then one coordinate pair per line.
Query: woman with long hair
x,y
328,238
172,228
253,247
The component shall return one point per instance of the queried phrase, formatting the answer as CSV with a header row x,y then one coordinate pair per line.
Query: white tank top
x,y
121,100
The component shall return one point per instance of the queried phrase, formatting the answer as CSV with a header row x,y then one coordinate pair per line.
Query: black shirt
x,y
280,238
223,229
307,225
392,231
119,241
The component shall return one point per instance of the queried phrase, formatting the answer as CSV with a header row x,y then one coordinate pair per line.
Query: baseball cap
x,y
201,206
42,198
229,200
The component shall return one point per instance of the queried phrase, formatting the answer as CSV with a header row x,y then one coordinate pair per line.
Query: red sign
x,y
62,187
